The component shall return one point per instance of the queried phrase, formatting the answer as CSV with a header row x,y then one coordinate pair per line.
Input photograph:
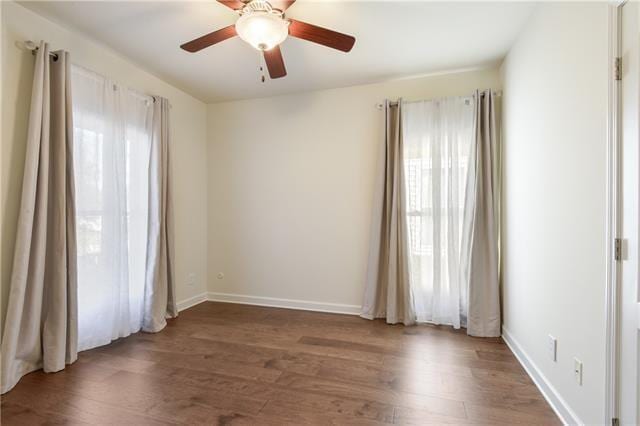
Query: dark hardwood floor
x,y
234,364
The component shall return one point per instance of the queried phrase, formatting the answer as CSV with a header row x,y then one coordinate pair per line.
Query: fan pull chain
x,y
261,68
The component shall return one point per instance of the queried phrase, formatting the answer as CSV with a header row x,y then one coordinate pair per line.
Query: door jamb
x,y
613,220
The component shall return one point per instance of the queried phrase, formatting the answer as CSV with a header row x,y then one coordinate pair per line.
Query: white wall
x,y
188,123
291,182
554,156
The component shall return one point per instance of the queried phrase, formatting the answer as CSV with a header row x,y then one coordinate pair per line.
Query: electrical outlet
x,y
552,348
577,370
191,279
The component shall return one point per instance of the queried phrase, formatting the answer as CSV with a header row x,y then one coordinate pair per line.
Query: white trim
x,y
192,301
336,308
611,400
559,405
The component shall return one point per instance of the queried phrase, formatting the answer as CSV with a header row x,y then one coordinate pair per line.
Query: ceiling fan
x,y
263,25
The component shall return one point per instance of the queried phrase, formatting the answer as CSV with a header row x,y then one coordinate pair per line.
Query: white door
x,y
629,308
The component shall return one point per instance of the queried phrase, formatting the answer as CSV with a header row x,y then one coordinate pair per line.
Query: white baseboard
x,y
305,305
336,308
192,301
553,397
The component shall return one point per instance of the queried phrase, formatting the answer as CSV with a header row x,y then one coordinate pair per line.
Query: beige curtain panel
x,y
387,291
392,287
159,297
483,318
41,327
41,322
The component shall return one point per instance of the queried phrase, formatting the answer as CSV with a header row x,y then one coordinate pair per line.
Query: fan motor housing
x,y
259,6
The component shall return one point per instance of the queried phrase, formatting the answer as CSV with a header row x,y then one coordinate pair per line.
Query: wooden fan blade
x,y
320,35
281,4
210,39
275,63
232,4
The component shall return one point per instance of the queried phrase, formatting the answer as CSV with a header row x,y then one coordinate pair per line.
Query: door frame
x,y
613,211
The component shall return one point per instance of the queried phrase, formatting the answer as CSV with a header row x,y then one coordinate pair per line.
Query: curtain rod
x,y
29,45
395,103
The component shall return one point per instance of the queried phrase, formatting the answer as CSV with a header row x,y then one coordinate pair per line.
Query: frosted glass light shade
x,y
262,30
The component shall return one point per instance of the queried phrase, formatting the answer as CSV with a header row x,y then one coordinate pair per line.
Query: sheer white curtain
x,y
112,132
438,136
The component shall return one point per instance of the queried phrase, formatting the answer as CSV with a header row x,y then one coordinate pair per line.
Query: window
x,y
112,140
437,144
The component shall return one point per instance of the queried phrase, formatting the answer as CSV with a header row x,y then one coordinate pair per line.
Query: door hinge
x,y
615,421
617,69
617,249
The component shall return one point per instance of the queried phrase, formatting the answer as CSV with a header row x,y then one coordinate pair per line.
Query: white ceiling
x,y
394,39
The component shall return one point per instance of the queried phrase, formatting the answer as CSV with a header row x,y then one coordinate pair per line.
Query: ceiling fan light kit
x,y
264,27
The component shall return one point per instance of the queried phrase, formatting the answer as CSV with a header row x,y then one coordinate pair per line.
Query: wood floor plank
x,y
98,358
497,415
216,382
494,356
76,407
198,362
350,345
269,340
449,407
221,363
258,356
418,417
425,366
507,376
168,401
156,385
336,407
297,415
21,415
280,396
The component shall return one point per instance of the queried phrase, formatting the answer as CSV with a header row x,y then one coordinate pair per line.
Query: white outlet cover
x,y
552,348
191,279
577,370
